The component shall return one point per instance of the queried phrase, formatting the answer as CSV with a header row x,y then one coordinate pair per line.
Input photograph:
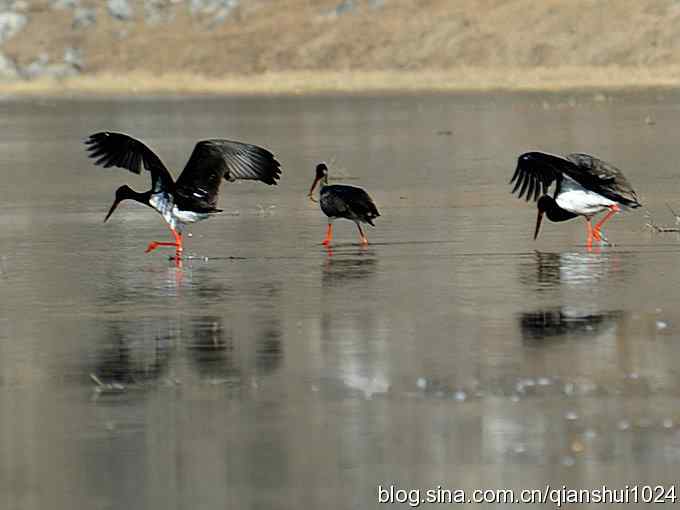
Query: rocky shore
x,y
337,44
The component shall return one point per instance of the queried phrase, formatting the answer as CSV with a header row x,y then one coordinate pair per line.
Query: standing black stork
x,y
194,196
585,186
342,201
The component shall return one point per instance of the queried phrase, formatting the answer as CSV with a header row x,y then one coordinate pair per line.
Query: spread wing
x,y
537,171
122,151
606,179
213,160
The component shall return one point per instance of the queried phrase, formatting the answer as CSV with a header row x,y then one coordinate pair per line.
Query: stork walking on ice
x,y
193,197
342,201
584,186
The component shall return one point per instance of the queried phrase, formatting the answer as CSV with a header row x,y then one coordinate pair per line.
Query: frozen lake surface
x,y
269,373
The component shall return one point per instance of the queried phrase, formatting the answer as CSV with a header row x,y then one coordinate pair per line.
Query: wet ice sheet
x,y
271,373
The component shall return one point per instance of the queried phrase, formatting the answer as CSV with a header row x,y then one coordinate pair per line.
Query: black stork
x,y
585,186
342,201
193,197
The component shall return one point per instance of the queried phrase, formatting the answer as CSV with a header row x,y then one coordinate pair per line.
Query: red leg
x,y
329,235
612,211
589,239
593,234
364,240
177,244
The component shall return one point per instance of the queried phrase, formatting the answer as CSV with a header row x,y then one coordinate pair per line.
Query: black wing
x,y
120,150
213,160
537,171
606,179
345,198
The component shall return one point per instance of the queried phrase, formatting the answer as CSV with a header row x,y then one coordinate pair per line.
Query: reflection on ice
x,y
377,385
211,349
547,270
341,267
271,373
559,322
134,352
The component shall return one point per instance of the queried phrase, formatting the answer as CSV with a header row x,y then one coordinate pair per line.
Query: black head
x,y
548,206
545,203
321,170
122,193
321,175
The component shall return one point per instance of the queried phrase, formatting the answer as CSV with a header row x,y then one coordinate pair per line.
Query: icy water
x,y
270,373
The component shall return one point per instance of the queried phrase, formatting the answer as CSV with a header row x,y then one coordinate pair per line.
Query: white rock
x,y
8,68
73,57
120,9
11,23
64,4
83,17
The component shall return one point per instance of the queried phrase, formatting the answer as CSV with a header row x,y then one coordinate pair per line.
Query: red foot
x,y
155,244
597,234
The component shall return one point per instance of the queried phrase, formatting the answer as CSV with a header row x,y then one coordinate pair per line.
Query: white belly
x,y
173,216
578,200
583,202
188,216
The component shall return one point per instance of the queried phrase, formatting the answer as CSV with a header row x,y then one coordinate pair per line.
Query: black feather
x,y
121,150
342,201
537,171
214,160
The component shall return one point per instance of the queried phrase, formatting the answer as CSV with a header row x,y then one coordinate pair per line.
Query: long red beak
x,y
539,218
311,190
113,208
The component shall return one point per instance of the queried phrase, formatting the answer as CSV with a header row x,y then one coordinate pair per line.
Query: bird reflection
x,y
210,290
132,354
580,283
550,270
221,353
265,328
343,268
542,270
558,322
269,350
354,336
218,344
211,348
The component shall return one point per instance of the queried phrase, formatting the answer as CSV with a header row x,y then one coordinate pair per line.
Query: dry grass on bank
x,y
315,82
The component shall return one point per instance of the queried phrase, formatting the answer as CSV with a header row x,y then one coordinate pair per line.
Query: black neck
x,y
555,213
142,198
